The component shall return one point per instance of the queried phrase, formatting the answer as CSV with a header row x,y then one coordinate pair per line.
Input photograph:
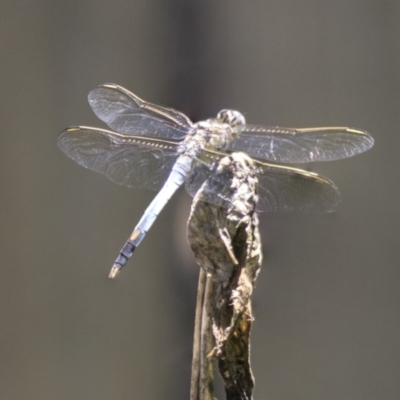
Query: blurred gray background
x,y
327,300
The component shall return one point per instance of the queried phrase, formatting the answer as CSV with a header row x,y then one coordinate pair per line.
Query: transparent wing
x,y
280,188
291,189
126,113
127,160
229,181
291,145
201,170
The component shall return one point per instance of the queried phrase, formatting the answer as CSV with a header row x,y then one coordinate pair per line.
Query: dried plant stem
x,y
226,244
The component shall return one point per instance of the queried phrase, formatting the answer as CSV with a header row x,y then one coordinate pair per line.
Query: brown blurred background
x,y
327,300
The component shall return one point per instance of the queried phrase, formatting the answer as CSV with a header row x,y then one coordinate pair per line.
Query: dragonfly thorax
x,y
213,134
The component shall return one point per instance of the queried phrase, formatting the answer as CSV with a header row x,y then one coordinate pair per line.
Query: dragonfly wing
x,y
124,112
280,188
291,189
201,170
290,145
127,160
225,182
199,173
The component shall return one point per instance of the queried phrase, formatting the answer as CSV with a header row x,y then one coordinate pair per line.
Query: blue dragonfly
x,y
152,146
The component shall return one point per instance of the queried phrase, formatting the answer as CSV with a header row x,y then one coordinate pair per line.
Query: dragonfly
x,y
153,146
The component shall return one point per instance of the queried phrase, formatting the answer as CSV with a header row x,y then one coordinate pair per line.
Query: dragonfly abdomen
x,y
177,177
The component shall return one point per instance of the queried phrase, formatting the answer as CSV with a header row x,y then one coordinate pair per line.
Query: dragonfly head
x,y
231,117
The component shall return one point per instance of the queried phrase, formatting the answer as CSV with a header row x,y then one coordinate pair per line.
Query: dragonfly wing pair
x,y
143,150
127,160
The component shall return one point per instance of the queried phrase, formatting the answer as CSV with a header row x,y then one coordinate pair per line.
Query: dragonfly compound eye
x,y
231,117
